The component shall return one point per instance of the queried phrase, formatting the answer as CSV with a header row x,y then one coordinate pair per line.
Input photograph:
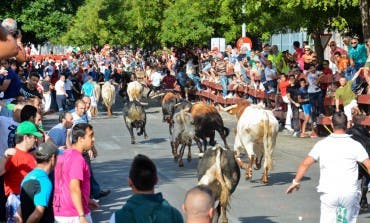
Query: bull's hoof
x,y
139,133
189,159
264,181
133,142
181,164
248,177
175,158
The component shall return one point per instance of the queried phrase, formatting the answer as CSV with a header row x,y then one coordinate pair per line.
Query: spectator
x,y
11,83
333,49
72,179
292,94
46,93
59,133
11,26
78,113
145,205
315,95
17,166
221,67
155,79
345,93
198,205
303,99
61,93
298,53
338,185
357,53
283,86
270,74
8,45
307,58
36,187
169,81
29,90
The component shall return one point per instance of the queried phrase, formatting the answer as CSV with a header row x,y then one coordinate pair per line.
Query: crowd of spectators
x,y
33,86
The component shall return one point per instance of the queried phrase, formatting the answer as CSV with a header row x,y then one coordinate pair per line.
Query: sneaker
x,y
287,127
321,115
270,91
295,134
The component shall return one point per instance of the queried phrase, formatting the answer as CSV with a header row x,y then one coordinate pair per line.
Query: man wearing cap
x,y
16,167
36,187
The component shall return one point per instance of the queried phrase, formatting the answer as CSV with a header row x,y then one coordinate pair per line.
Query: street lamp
x,y
243,25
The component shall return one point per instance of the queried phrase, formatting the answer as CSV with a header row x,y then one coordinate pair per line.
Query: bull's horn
x,y
226,109
158,95
143,103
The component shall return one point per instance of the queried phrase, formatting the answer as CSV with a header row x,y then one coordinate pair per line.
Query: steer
x,y
183,135
219,170
256,133
207,120
362,135
135,117
109,96
169,102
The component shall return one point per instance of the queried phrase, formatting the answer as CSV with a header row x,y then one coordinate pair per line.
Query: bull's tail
x,y
268,143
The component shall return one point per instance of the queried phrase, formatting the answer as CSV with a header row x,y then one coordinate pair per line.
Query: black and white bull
x,y
207,120
135,117
218,170
362,135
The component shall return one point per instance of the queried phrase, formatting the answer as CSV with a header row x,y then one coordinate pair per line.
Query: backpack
x,y
11,136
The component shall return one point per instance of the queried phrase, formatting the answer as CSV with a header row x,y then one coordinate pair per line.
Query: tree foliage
x,y
178,22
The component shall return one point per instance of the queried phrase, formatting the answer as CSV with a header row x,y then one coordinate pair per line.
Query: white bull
x,y
109,96
257,130
135,91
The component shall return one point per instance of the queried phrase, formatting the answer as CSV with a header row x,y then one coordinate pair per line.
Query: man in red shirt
x,y
16,167
282,86
169,80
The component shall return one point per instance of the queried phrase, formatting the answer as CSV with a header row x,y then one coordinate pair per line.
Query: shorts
x,y
348,109
63,219
306,109
343,207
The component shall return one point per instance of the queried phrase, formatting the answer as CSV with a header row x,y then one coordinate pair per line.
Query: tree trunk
x,y
365,18
318,47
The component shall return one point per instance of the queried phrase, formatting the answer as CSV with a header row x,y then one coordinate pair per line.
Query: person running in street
x,y
338,155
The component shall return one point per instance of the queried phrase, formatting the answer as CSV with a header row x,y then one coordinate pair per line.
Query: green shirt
x,y
345,93
148,208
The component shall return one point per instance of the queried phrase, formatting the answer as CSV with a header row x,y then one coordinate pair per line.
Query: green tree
x,y
267,17
41,20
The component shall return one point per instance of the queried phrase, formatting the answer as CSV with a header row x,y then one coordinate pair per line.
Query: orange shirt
x,y
283,85
17,167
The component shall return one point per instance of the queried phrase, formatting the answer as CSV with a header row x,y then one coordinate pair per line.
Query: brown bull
x,y
207,120
169,102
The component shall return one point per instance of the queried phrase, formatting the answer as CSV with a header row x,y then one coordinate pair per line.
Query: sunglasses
x,y
332,45
354,43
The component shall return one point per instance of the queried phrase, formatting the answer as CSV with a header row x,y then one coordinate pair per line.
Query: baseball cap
x,y
46,149
28,128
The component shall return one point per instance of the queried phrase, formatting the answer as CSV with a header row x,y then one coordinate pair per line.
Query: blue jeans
x,y
316,104
196,80
61,102
224,81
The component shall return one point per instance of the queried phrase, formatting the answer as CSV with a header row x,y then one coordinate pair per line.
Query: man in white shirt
x,y
155,79
61,94
338,155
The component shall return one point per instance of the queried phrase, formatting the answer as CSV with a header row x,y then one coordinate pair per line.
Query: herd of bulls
x,y
219,168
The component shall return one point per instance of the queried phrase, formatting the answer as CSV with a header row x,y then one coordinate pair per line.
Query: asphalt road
x,y
251,202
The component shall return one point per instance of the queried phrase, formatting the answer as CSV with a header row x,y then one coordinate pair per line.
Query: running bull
x,y
135,117
219,170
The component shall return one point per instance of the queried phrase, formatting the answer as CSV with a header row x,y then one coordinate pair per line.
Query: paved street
x,y
251,202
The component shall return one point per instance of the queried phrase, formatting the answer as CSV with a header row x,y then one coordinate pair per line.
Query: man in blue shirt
x,y
59,132
36,187
11,83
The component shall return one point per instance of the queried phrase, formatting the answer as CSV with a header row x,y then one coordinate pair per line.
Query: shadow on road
x,y
259,219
